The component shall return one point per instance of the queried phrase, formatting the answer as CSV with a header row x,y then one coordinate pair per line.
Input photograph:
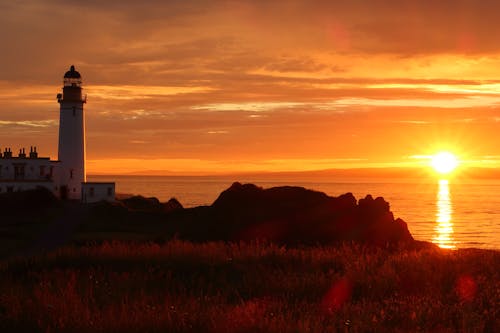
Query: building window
x,y
110,191
71,174
74,111
42,170
91,191
74,189
10,189
18,172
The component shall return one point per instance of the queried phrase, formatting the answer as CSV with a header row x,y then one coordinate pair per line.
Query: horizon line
x,y
400,171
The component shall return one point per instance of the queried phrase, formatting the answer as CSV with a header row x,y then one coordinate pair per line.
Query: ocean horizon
x,y
451,213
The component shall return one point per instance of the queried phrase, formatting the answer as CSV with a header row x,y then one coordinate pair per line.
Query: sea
x,y
450,213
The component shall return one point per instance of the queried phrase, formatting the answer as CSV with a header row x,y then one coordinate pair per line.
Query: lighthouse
x,y
65,177
71,151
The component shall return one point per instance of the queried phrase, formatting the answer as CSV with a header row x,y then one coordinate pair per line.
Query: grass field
x,y
215,287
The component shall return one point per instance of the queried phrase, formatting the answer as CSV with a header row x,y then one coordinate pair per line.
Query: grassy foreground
x,y
259,287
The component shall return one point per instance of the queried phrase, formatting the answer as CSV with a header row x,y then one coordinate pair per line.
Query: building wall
x,y
25,173
17,168
13,186
95,192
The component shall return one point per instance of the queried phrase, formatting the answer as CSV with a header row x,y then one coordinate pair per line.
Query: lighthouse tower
x,y
71,153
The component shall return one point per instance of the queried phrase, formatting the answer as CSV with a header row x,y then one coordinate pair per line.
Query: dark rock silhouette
x,y
286,215
140,203
172,205
292,215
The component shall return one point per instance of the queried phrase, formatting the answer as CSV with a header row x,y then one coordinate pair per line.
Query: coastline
x,y
473,204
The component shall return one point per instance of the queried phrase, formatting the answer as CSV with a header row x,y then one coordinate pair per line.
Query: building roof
x,y
26,158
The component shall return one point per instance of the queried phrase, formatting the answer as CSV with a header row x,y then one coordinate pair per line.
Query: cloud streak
x,y
28,123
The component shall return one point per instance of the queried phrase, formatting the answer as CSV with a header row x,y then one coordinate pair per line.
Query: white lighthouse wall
x,y
72,148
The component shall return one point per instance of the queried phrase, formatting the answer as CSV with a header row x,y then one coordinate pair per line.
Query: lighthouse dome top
x,y
72,78
72,73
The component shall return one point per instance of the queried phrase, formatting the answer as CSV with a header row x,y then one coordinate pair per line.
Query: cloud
x,y
249,107
413,122
131,10
28,123
142,40
269,81
465,102
125,92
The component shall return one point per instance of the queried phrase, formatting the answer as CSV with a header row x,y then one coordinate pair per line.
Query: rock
x,y
286,215
295,215
140,203
172,205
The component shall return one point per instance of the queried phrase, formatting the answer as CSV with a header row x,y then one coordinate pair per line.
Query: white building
x,y
66,177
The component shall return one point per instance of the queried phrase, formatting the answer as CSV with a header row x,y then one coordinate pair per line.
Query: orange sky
x,y
222,86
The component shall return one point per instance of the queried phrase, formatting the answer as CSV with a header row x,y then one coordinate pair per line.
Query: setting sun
x,y
444,162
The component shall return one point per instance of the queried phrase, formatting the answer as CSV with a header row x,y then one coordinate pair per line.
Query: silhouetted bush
x,y
31,202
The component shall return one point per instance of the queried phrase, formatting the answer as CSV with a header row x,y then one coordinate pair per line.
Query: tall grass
x,y
216,287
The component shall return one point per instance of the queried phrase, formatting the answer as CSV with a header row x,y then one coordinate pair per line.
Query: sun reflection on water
x,y
444,210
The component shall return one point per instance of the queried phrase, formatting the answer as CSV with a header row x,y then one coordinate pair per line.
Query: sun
x,y
444,162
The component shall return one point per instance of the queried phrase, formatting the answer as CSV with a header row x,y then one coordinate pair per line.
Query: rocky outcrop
x,y
140,203
293,215
286,215
172,205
